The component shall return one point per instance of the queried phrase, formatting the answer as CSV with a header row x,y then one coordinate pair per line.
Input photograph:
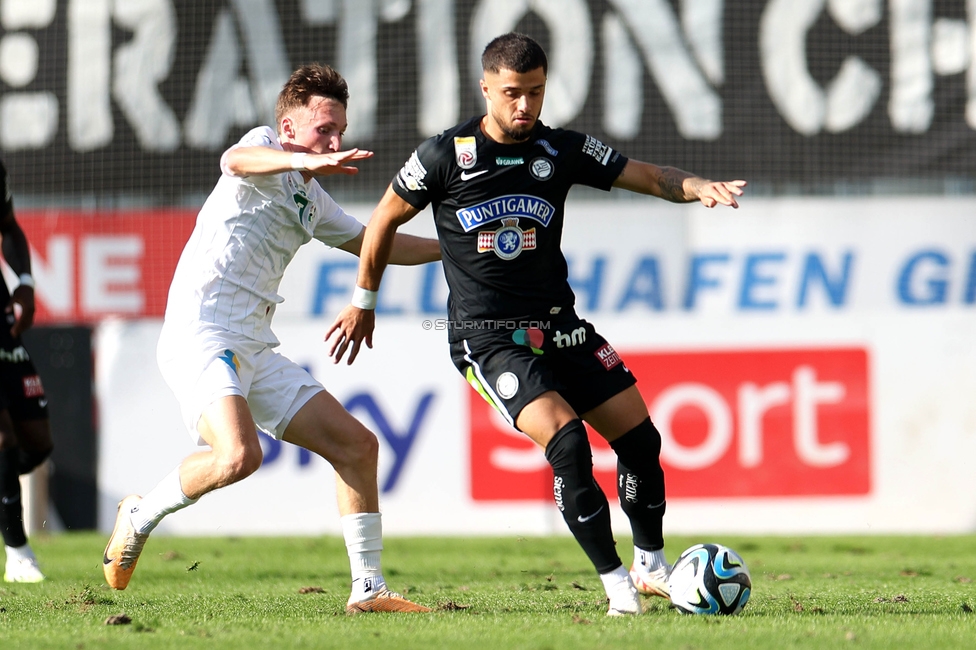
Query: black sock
x,y
28,461
640,484
582,502
11,508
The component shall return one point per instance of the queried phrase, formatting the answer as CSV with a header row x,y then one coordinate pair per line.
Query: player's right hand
x,y
352,327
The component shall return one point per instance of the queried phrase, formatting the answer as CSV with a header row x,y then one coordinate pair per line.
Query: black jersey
x,y
21,391
6,207
498,209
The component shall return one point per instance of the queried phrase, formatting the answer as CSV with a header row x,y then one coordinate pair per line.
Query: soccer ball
x,y
710,579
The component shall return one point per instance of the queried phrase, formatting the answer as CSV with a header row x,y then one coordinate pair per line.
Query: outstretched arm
x,y
16,252
261,161
673,184
407,250
354,324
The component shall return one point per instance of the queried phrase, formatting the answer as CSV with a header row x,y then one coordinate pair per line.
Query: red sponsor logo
x,y
33,387
91,265
607,356
762,423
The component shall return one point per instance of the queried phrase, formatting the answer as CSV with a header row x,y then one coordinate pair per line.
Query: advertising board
x,y
802,360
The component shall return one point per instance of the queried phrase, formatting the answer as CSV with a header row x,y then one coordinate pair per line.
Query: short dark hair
x,y
515,52
314,79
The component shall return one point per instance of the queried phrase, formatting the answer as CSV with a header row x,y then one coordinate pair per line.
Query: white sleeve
x,y
335,227
261,136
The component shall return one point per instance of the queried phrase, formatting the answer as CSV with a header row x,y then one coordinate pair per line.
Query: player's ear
x,y
484,88
287,127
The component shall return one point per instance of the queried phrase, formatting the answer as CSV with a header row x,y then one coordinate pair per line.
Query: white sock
x,y
648,561
363,534
612,581
18,553
167,497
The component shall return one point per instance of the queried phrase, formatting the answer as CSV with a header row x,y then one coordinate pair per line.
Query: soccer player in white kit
x,y
216,348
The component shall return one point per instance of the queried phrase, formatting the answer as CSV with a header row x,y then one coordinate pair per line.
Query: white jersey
x,y
246,234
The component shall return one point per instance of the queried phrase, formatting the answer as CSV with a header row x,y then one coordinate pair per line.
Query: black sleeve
x,y
8,200
421,179
594,164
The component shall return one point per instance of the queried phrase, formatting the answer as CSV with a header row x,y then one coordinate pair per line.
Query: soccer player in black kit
x,y
25,434
498,184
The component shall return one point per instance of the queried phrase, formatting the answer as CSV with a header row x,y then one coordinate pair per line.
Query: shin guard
x,y
583,504
640,483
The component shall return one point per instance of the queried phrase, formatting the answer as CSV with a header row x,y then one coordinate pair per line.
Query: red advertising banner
x,y
92,265
757,423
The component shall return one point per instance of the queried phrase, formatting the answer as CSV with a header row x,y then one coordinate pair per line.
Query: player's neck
x,y
495,133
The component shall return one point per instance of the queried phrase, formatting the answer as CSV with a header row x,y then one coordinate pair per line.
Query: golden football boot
x,y
124,546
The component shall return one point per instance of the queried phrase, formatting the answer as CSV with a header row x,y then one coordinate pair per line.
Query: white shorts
x,y
202,362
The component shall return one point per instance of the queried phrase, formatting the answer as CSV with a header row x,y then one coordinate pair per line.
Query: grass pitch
x,y
530,592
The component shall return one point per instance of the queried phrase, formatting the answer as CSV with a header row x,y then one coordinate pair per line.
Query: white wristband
x,y
363,298
26,280
298,161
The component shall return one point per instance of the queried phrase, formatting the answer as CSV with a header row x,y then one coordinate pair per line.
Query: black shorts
x,y
21,391
511,367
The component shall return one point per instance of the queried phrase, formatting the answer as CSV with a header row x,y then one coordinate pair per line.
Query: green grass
x,y
241,593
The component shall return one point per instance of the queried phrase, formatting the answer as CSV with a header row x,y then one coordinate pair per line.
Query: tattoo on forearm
x,y
671,184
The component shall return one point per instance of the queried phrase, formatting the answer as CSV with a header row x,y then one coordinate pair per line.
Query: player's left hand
x,y
353,326
23,297
714,193
327,164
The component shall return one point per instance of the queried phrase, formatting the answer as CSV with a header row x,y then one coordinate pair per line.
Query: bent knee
x,y
359,450
366,448
240,462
